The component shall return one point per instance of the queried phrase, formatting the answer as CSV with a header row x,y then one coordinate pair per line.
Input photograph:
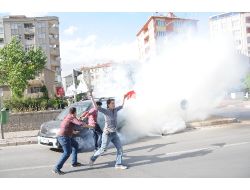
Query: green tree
x,y
247,82
17,66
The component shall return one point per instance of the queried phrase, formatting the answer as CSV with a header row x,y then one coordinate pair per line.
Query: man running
x,y
109,131
66,140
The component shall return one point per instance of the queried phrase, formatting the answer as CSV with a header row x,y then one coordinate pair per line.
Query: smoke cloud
x,y
189,68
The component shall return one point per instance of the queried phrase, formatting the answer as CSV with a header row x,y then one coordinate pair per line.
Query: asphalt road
x,y
208,152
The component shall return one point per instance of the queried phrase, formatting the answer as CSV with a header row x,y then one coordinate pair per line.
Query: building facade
x,y
37,32
96,72
157,28
234,24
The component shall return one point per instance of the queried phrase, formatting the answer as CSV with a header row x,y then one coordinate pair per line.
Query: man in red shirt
x,y
92,122
68,143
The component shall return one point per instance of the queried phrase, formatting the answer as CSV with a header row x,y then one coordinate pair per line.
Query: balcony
x,y
55,63
54,41
54,30
29,30
54,51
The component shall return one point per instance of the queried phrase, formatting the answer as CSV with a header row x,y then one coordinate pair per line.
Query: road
x,y
207,152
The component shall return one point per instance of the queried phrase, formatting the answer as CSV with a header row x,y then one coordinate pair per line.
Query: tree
x,y
17,66
247,82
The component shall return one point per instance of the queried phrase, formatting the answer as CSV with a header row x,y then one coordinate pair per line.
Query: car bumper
x,y
48,141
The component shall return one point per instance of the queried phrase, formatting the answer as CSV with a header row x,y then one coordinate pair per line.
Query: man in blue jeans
x,y
67,142
109,132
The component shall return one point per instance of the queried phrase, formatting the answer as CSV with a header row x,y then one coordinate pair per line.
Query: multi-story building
x,y
157,28
96,72
235,25
37,32
91,74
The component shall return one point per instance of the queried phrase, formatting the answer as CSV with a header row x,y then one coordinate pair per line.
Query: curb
x,y
17,143
214,123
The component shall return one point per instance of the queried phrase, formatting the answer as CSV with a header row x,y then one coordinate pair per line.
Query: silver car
x,y
47,134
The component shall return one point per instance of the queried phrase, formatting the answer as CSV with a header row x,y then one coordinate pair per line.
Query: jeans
x,y
97,135
69,146
106,138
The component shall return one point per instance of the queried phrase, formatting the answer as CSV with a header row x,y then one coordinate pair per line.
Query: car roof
x,y
103,99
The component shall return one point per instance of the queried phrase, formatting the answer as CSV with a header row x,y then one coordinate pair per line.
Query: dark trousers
x,y
69,145
97,134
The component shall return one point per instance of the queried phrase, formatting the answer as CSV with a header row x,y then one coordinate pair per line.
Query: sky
x,y
89,38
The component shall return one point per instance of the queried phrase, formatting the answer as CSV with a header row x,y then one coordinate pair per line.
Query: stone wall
x,y
29,120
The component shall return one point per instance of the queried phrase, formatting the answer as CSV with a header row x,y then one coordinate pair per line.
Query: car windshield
x,y
80,108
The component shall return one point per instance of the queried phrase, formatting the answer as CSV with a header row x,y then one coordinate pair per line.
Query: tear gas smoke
x,y
198,70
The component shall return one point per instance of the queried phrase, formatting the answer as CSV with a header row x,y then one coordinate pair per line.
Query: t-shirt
x,y
92,116
110,117
67,125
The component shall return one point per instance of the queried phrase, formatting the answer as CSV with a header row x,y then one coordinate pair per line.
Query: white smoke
x,y
198,70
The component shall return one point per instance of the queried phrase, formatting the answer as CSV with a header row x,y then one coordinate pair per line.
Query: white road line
x,y
236,144
167,154
29,168
206,148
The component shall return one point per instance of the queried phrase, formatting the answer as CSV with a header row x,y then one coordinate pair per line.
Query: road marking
x,y
29,168
206,148
167,154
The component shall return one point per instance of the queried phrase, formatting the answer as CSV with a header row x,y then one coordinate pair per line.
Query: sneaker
x,y
59,172
121,167
78,164
91,162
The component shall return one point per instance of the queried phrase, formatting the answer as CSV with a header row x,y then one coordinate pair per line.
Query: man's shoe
x,y
59,172
91,162
121,167
78,164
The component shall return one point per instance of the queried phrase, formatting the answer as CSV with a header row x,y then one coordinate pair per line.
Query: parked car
x,y
48,130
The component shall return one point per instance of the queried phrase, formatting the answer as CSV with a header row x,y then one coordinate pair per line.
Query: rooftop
x,y
223,15
169,17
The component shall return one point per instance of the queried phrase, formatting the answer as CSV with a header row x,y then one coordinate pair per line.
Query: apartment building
x,y
235,25
37,32
159,27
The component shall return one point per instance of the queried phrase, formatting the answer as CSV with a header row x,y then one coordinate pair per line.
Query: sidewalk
x,y
19,138
30,137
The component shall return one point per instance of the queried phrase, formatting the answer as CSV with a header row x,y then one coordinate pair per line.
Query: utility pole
x,y
75,74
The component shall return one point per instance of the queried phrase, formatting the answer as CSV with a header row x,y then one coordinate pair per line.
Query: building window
x,y
248,39
18,36
1,40
14,26
41,25
43,46
248,30
1,30
35,89
42,35
29,36
28,47
247,19
161,23
235,23
28,25
238,42
146,39
161,34
236,33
